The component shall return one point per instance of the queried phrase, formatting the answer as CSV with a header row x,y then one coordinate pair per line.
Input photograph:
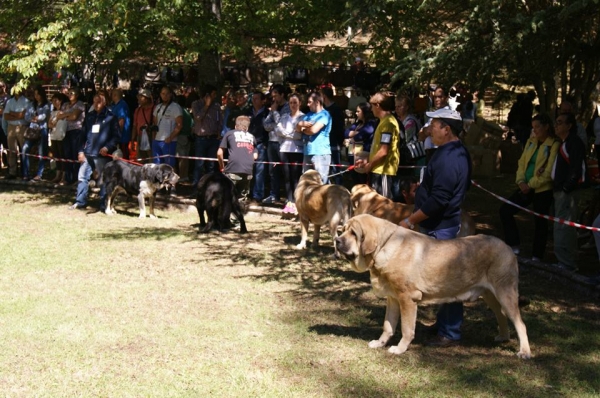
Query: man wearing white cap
x,y
437,204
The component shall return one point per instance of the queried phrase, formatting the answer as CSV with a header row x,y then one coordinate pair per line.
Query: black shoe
x,y
442,342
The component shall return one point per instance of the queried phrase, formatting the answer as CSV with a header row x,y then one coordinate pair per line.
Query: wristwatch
x,y
410,225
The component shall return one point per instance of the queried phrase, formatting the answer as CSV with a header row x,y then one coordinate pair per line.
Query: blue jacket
x,y
107,135
445,183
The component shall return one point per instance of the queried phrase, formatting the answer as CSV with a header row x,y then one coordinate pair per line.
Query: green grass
x,y
92,305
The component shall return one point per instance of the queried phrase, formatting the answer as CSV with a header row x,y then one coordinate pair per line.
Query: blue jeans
x,y
42,151
274,170
450,315
85,173
336,158
258,192
320,163
161,148
204,148
72,144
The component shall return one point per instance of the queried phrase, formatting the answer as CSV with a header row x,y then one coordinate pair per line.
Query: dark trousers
x,y
72,144
204,148
336,158
541,204
274,169
291,173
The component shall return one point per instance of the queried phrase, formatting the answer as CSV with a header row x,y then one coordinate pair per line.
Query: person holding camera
x,y
208,123
168,121
142,123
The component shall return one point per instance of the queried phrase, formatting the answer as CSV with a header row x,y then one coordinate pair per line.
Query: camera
x,y
150,128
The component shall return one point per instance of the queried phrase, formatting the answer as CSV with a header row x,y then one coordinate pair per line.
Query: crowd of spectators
x,y
293,131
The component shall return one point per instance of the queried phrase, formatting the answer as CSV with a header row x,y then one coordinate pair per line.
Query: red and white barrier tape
x,y
351,167
557,220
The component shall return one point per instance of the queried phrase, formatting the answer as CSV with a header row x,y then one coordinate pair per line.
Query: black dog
x,y
142,181
218,197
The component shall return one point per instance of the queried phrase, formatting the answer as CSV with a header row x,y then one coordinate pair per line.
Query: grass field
x,y
92,305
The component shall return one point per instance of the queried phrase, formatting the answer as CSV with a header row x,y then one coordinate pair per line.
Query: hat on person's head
x,y
145,92
444,113
448,116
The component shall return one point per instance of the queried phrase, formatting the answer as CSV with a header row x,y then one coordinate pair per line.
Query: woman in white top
x,y
291,150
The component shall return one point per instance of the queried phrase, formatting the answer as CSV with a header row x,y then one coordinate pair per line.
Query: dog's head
x,y
359,242
161,174
311,177
359,191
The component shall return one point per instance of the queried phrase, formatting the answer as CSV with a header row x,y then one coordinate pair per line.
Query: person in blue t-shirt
x,y
121,110
315,129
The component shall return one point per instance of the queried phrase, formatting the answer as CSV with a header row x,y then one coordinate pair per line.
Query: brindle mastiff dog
x,y
409,268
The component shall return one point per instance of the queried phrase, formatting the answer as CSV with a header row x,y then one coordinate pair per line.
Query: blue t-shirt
x,y
318,144
121,111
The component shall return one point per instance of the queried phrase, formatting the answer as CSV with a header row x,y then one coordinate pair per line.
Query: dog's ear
x,y
368,237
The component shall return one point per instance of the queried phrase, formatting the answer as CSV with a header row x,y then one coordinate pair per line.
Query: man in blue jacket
x,y
437,204
102,139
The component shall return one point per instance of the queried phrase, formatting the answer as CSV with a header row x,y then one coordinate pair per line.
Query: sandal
x,y
36,179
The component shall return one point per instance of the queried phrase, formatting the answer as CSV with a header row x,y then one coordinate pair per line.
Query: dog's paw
x,y
524,355
376,344
301,246
142,216
501,338
396,350
152,216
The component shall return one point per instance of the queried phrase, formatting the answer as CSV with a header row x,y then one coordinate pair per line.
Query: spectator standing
x,y
568,173
74,114
257,129
143,121
336,136
3,129
102,138
360,137
384,158
291,150
168,117
58,130
208,123
519,117
121,110
437,204
316,126
568,108
39,120
184,143
15,114
241,147
534,183
279,108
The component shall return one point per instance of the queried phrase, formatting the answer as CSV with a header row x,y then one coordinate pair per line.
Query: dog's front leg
x,y
408,309
142,203
151,203
303,233
392,313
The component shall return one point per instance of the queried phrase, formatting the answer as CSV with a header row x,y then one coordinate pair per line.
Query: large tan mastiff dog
x,y
320,204
365,200
409,268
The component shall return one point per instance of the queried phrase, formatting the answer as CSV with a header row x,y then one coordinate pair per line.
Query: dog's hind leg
x,y
492,302
316,236
408,321
508,299
237,211
392,314
333,230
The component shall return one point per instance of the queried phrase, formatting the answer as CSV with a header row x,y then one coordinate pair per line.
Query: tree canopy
x,y
553,45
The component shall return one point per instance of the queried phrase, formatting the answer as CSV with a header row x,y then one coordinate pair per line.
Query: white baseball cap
x,y
444,113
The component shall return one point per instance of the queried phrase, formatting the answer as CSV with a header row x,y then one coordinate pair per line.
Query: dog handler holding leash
x,y
437,204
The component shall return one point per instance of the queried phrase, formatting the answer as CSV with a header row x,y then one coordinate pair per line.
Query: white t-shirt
x,y
166,116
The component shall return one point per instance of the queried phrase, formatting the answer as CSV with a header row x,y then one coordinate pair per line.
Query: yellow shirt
x,y
388,132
